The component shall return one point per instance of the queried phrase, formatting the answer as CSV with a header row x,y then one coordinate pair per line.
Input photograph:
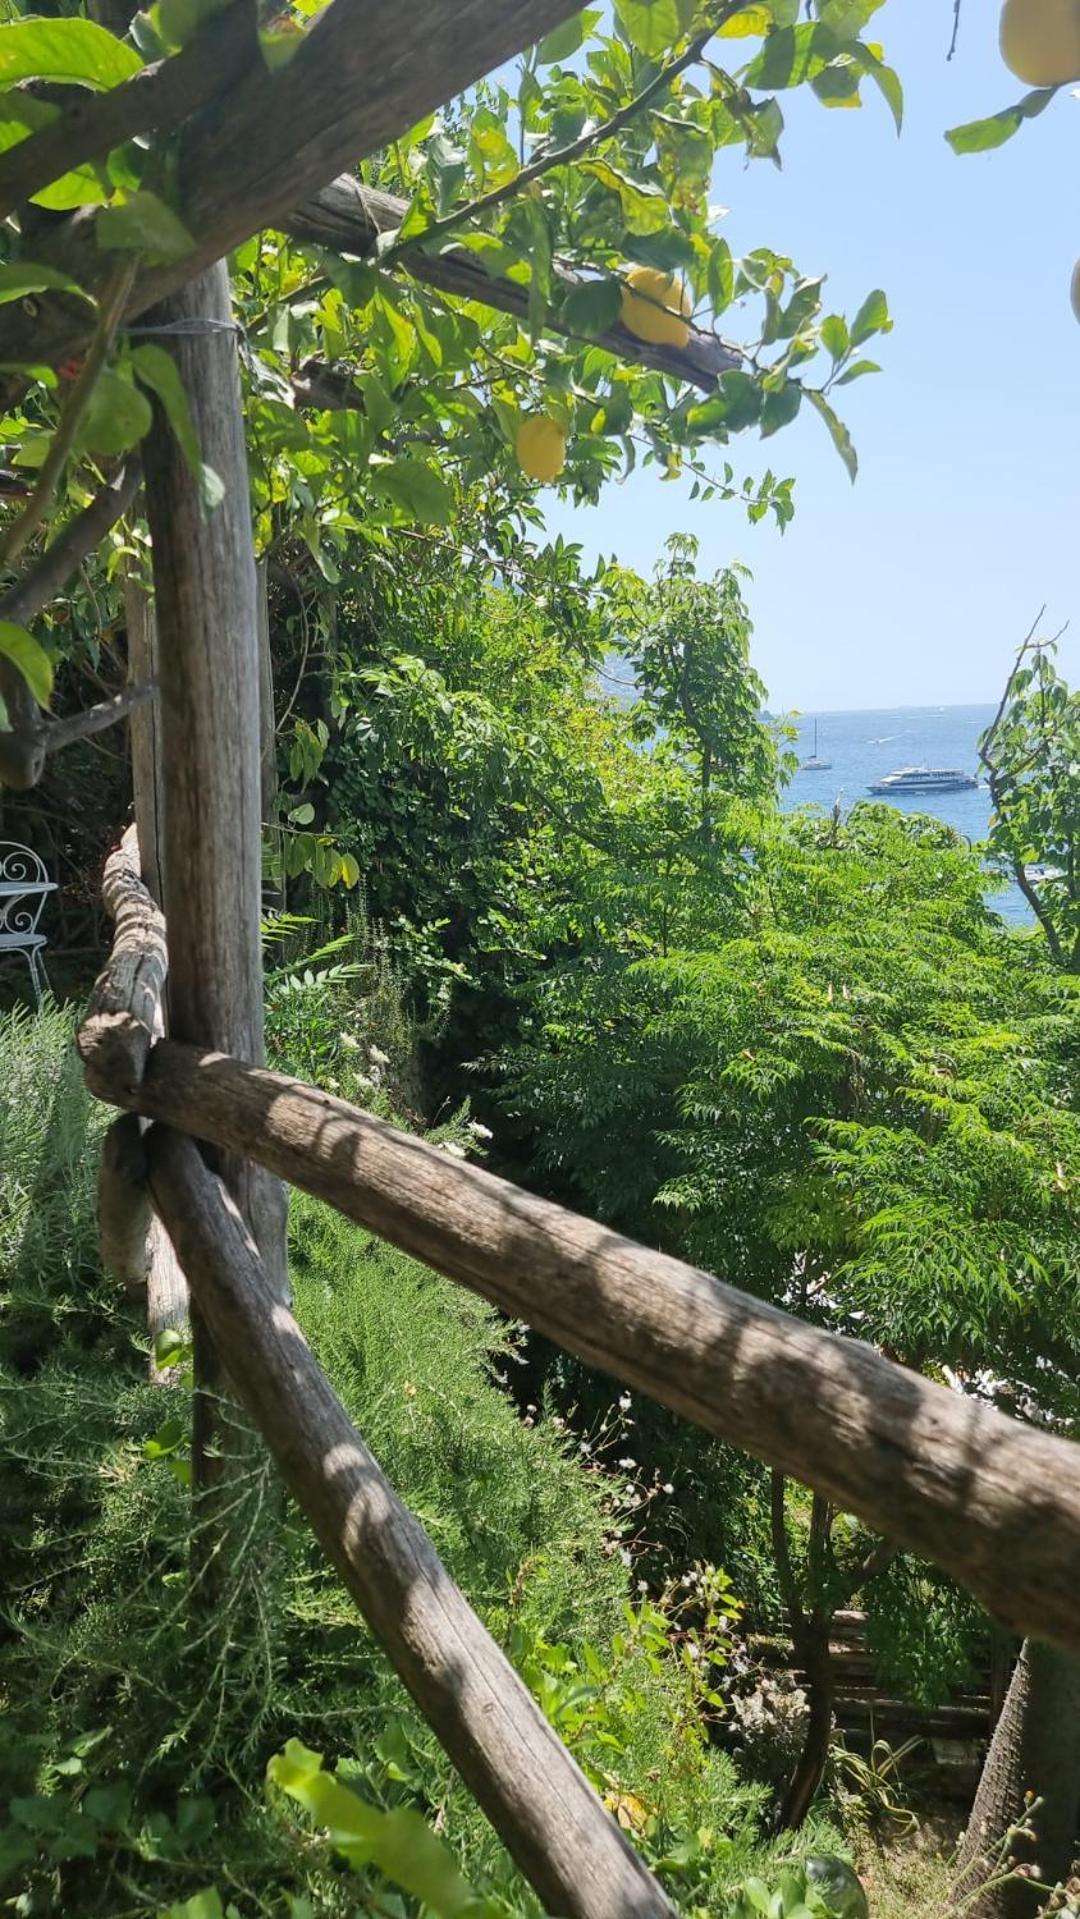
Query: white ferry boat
x,y
925,779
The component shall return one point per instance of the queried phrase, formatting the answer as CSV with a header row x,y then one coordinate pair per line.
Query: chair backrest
x,y
24,869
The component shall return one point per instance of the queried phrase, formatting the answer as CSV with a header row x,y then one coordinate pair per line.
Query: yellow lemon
x,y
656,306
540,447
1075,294
1040,41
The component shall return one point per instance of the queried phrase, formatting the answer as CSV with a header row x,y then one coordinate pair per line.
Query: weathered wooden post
x,y
208,670
166,1288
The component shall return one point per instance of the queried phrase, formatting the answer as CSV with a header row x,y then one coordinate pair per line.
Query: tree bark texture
x,y
506,1751
1035,1751
166,1288
123,1016
208,660
995,1503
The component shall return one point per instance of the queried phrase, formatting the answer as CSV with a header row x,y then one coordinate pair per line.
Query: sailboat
x,y
813,764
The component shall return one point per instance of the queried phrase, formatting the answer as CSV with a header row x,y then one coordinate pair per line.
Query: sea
x,y
863,746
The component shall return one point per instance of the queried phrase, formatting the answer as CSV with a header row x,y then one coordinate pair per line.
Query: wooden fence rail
x,y
996,1503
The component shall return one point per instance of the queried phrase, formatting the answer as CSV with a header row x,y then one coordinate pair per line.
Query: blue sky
x,y
915,585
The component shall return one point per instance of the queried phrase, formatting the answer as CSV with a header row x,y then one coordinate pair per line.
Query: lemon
x,y
540,447
655,307
1040,41
1075,293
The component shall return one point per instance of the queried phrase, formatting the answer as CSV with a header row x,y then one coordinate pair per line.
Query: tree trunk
x,y
207,619
810,1629
811,1643
1035,1751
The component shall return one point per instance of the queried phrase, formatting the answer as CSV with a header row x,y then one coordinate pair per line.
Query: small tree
x,y
1031,752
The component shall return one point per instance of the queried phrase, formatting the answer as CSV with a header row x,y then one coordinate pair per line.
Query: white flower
x,y
667,1487
377,1056
624,1403
627,1465
624,1555
480,1132
452,1148
350,1041
364,1084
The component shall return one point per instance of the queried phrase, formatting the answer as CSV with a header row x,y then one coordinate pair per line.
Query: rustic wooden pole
x,y
994,1502
146,758
123,1019
208,660
533,1792
124,1016
124,1211
166,1287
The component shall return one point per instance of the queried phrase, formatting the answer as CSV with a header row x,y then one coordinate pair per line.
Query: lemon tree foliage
x,y
581,182
1040,44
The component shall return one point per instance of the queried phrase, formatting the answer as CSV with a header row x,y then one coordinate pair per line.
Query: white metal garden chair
x,y
24,885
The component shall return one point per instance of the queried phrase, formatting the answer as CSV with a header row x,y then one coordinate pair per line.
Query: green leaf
x,y
792,56
753,22
884,78
415,489
982,136
591,308
158,370
856,372
117,417
29,657
171,1348
650,25
780,408
168,1437
144,224
25,276
644,208
76,52
872,317
839,434
202,1905
835,336
565,40
400,1843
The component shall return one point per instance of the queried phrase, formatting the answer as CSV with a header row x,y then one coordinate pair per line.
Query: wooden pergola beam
x,y
994,1502
348,217
361,78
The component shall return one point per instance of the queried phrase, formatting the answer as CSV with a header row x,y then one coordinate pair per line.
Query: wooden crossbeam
x,y
362,77
348,217
994,1502
534,1793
